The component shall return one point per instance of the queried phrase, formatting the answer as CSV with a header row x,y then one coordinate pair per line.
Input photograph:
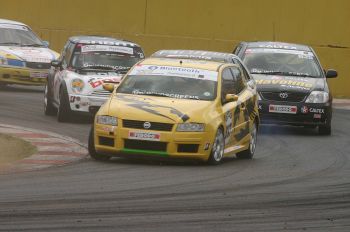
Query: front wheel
x,y
217,152
64,112
49,109
91,148
249,153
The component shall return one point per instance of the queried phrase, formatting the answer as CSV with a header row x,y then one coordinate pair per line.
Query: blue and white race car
x,y
24,58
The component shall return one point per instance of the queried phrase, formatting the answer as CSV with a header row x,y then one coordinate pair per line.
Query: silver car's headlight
x,y
77,85
107,120
193,127
3,61
317,97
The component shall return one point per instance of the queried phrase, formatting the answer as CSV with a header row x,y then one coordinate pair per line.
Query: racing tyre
x,y
49,109
217,152
325,129
91,147
249,153
64,112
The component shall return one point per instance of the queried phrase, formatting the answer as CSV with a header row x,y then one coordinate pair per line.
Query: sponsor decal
x,y
139,135
229,125
172,95
106,48
38,59
101,42
292,83
317,116
38,74
317,111
304,110
281,46
29,54
115,67
175,71
303,54
282,109
96,83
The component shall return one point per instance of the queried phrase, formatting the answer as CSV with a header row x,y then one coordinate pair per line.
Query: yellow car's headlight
x,y
77,85
190,127
107,120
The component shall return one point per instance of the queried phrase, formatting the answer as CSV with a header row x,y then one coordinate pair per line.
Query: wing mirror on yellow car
x,y
231,97
110,86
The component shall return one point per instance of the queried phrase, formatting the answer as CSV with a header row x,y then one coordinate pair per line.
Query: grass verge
x,y
13,149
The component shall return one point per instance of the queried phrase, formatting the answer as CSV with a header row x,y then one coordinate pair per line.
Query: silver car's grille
x,y
101,93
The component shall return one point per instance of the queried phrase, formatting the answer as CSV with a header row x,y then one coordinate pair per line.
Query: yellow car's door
x,y
231,110
242,111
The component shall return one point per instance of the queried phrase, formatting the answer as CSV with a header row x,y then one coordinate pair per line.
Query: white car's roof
x,y
6,21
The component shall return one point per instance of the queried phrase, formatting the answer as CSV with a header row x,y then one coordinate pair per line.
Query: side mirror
x,y
331,73
56,63
46,43
231,98
109,86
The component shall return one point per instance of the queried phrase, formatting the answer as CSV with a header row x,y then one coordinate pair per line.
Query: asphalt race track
x,y
298,181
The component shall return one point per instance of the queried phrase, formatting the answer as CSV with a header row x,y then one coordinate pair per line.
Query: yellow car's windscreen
x,y
173,82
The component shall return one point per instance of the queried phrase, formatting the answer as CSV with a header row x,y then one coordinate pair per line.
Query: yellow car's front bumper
x,y
23,76
184,145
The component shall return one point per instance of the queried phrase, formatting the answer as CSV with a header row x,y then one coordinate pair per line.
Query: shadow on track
x,y
22,88
77,119
160,161
287,130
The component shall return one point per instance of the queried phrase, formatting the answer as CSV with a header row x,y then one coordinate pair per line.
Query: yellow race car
x,y
24,58
179,108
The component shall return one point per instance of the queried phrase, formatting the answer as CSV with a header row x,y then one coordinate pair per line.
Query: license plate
x,y
38,74
282,109
150,136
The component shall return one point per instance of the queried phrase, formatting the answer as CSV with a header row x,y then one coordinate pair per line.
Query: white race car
x,y
75,81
